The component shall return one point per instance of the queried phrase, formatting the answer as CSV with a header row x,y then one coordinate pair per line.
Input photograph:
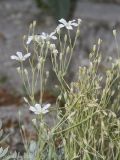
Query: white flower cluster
x,y
37,108
45,36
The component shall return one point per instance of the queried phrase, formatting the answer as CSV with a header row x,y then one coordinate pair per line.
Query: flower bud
x,y
68,49
40,59
114,32
110,58
52,46
61,55
47,74
30,27
25,71
34,23
38,65
79,21
18,69
23,128
99,41
65,38
55,51
34,121
94,48
78,32
25,99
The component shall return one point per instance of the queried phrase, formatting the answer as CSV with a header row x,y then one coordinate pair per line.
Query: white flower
x,y
31,38
43,36
66,24
38,109
48,36
20,57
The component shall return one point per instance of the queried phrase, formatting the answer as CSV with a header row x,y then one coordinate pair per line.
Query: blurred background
x,y
99,18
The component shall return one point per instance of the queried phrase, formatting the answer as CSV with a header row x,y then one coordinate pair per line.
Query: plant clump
x,y
88,124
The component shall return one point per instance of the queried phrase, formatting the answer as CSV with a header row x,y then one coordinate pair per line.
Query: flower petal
x,y
46,106
38,107
15,57
74,24
69,27
44,34
59,27
63,21
52,33
33,109
53,37
20,55
27,55
37,112
72,21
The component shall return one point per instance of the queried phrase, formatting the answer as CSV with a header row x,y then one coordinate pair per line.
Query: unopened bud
x,y
38,65
78,32
94,48
34,23
65,38
23,127
68,49
34,122
55,51
52,46
30,27
110,58
99,41
41,59
47,74
24,37
61,55
25,99
79,21
114,32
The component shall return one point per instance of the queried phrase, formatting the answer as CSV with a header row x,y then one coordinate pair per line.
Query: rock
x,y
98,21
15,19
98,11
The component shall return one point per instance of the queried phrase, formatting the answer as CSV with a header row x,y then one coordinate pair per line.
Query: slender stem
x,y
69,128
